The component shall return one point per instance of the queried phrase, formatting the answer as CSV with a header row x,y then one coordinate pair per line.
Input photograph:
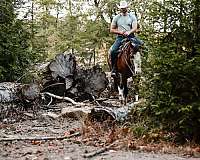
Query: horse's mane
x,y
125,47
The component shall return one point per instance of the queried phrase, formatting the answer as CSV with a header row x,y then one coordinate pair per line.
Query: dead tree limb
x,y
96,101
39,138
62,98
97,152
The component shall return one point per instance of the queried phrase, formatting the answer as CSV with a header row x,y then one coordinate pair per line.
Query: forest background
x,y
34,31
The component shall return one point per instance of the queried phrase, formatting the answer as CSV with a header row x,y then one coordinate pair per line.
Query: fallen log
x,y
76,113
102,113
10,91
62,79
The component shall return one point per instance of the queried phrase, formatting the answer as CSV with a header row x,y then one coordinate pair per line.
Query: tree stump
x,y
64,78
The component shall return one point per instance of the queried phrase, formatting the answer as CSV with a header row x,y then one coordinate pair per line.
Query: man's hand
x,y
122,32
127,33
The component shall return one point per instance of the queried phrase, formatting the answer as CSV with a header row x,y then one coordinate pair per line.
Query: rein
x,y
126,48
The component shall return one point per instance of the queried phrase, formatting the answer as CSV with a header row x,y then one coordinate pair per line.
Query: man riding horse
x,y
124,25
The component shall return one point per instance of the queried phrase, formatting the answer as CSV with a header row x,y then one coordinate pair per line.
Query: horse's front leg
x,y
124,81
136,83
123,89
121,94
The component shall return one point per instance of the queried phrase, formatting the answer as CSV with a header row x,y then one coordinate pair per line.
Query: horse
x,y
128,65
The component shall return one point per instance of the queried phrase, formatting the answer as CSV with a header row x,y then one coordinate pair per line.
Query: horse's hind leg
x,y
114,87
116,83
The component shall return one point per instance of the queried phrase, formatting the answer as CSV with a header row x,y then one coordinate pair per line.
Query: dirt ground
x,y
43,125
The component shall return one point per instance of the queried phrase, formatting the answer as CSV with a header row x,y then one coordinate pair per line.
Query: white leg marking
x,y
136,98
121,94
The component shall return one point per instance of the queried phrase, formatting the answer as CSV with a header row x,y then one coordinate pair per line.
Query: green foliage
x,y
173,90
140,128
172,85
14,52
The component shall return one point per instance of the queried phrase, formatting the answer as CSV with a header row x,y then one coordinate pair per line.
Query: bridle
x,y
126,48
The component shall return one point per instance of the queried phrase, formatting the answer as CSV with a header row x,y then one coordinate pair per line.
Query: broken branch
x,y
62,98
97,152
40,138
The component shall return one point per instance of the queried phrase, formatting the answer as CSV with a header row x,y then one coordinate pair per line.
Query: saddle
x,y
125,45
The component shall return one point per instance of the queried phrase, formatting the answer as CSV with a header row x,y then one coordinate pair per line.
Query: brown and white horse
x,y
128,65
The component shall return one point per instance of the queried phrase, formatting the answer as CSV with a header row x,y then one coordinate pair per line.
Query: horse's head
x,y
130,50
128,47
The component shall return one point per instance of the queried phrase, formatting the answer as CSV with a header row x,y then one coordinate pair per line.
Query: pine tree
x,y
14,47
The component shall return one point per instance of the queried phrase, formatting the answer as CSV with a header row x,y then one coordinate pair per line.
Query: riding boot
x,y
114,68
136,47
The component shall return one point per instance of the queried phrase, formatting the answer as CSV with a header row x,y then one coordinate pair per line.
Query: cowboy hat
x,y
123,4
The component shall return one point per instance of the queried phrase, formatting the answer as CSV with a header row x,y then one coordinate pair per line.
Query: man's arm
x,y
113,29
134,27
113,26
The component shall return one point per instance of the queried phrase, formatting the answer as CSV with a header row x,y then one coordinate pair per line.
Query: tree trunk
x,y
10,92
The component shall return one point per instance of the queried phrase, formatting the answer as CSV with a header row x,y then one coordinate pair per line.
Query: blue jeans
x,y
114,49
137,41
